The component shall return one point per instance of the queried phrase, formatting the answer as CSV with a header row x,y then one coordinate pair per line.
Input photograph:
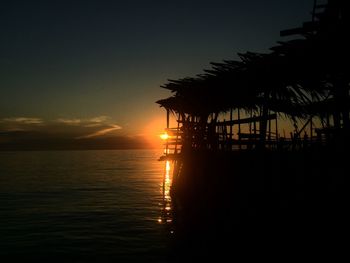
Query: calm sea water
x,y
82,206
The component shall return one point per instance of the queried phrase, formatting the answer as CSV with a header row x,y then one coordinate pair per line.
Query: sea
x,y
84,206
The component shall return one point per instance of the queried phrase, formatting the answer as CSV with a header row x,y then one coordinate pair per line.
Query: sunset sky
x,y
88,72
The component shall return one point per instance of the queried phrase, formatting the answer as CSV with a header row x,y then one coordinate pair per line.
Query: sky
x,y
73,72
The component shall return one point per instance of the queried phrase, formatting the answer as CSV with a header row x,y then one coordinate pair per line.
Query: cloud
x,y
61,128
42,140
66,133
99,119
23,120
101,132
69,121
92,122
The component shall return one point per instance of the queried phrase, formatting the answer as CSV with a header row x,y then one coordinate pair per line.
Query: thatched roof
x,y
293,76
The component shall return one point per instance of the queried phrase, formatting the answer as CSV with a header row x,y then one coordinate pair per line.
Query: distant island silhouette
x,y
36,141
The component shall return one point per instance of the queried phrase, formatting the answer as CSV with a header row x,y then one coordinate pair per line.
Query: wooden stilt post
x,y
231,135
239,129
254,132
177,134
167,126
327,120
250,124
167,118
276,128
311,130
269,136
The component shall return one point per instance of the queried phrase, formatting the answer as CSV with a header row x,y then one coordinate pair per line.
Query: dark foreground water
x,y
82,206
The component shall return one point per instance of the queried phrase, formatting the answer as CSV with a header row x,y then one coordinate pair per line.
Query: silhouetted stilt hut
x,y
303,79
233,162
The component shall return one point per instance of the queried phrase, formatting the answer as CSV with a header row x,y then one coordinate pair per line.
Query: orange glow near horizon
x,y
153,131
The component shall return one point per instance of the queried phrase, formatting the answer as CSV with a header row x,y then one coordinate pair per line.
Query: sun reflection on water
x,y
166,215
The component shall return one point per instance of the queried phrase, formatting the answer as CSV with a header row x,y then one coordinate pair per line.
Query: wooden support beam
x,y
311,130
246,120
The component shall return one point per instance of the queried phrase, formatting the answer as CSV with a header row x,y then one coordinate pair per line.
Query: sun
x,y
164,136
